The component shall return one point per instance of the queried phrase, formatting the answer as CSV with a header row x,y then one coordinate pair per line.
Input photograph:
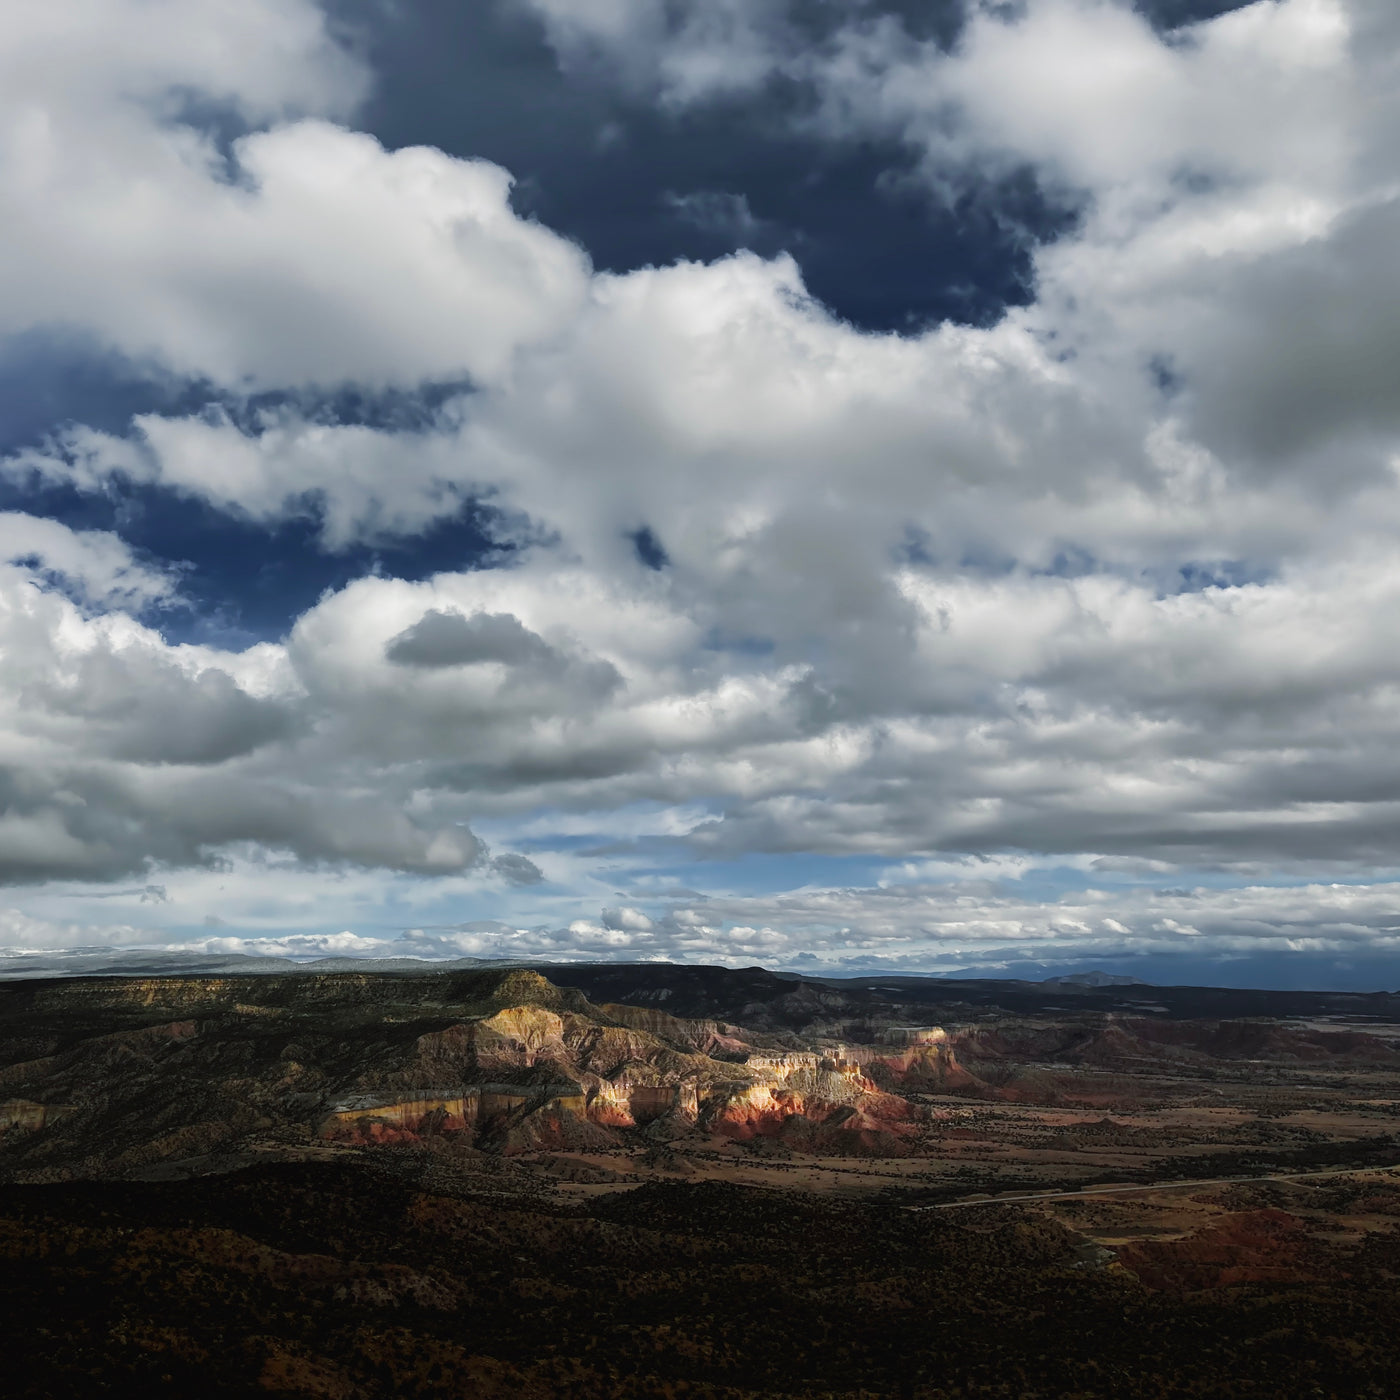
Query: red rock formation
x,y
1257,1246
867,1122
623,1077
928,1062
751,1110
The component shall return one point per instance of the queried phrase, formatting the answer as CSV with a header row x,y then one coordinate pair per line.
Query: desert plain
x,y
665,1181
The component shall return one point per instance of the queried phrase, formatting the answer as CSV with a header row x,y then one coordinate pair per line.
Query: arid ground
x,y
497,1183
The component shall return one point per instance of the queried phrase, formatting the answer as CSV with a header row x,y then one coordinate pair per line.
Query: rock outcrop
x,y
925,1060
30,1117
528,1075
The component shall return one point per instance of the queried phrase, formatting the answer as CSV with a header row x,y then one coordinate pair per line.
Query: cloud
x,y
122,752
966,919
298,252
1234,176
516,869
449,639
718,212
1250,931
1113,579
682,53
98,566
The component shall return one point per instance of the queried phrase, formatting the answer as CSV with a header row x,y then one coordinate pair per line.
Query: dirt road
x,y
1177,1185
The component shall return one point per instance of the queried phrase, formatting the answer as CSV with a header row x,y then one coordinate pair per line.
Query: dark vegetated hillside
x,y
354,1279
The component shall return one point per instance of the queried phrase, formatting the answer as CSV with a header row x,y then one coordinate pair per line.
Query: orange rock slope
x,y
530,1076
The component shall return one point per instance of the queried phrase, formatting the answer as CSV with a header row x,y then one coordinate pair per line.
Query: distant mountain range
x,y
1094,979
1018,993
179,962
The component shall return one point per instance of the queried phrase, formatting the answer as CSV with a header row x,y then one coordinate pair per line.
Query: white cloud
x,y
943,927
304,253
22,933
684,53
95,564
1071,715
923,596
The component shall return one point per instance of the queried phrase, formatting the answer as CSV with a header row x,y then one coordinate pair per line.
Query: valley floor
x,y
483,1185
401,1274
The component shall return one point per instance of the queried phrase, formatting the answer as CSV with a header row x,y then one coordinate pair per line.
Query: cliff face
x,y
369,1119
614,1078
30,1117
928,1064
118,1075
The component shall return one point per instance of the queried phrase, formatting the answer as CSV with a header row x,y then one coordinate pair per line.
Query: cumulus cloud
x,y
1113,579
1229,724
121,751
301,253
961,917
970,926
942,924
97,566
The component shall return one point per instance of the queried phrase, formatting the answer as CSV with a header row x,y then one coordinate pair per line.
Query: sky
x,y
842,486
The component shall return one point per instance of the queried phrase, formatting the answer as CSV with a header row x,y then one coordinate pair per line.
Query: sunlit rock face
x,y
914,1035
28,1116
573,1078
404,1119
820,1101
870,1123
520,1037
923,1058
638,1094
752,1110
